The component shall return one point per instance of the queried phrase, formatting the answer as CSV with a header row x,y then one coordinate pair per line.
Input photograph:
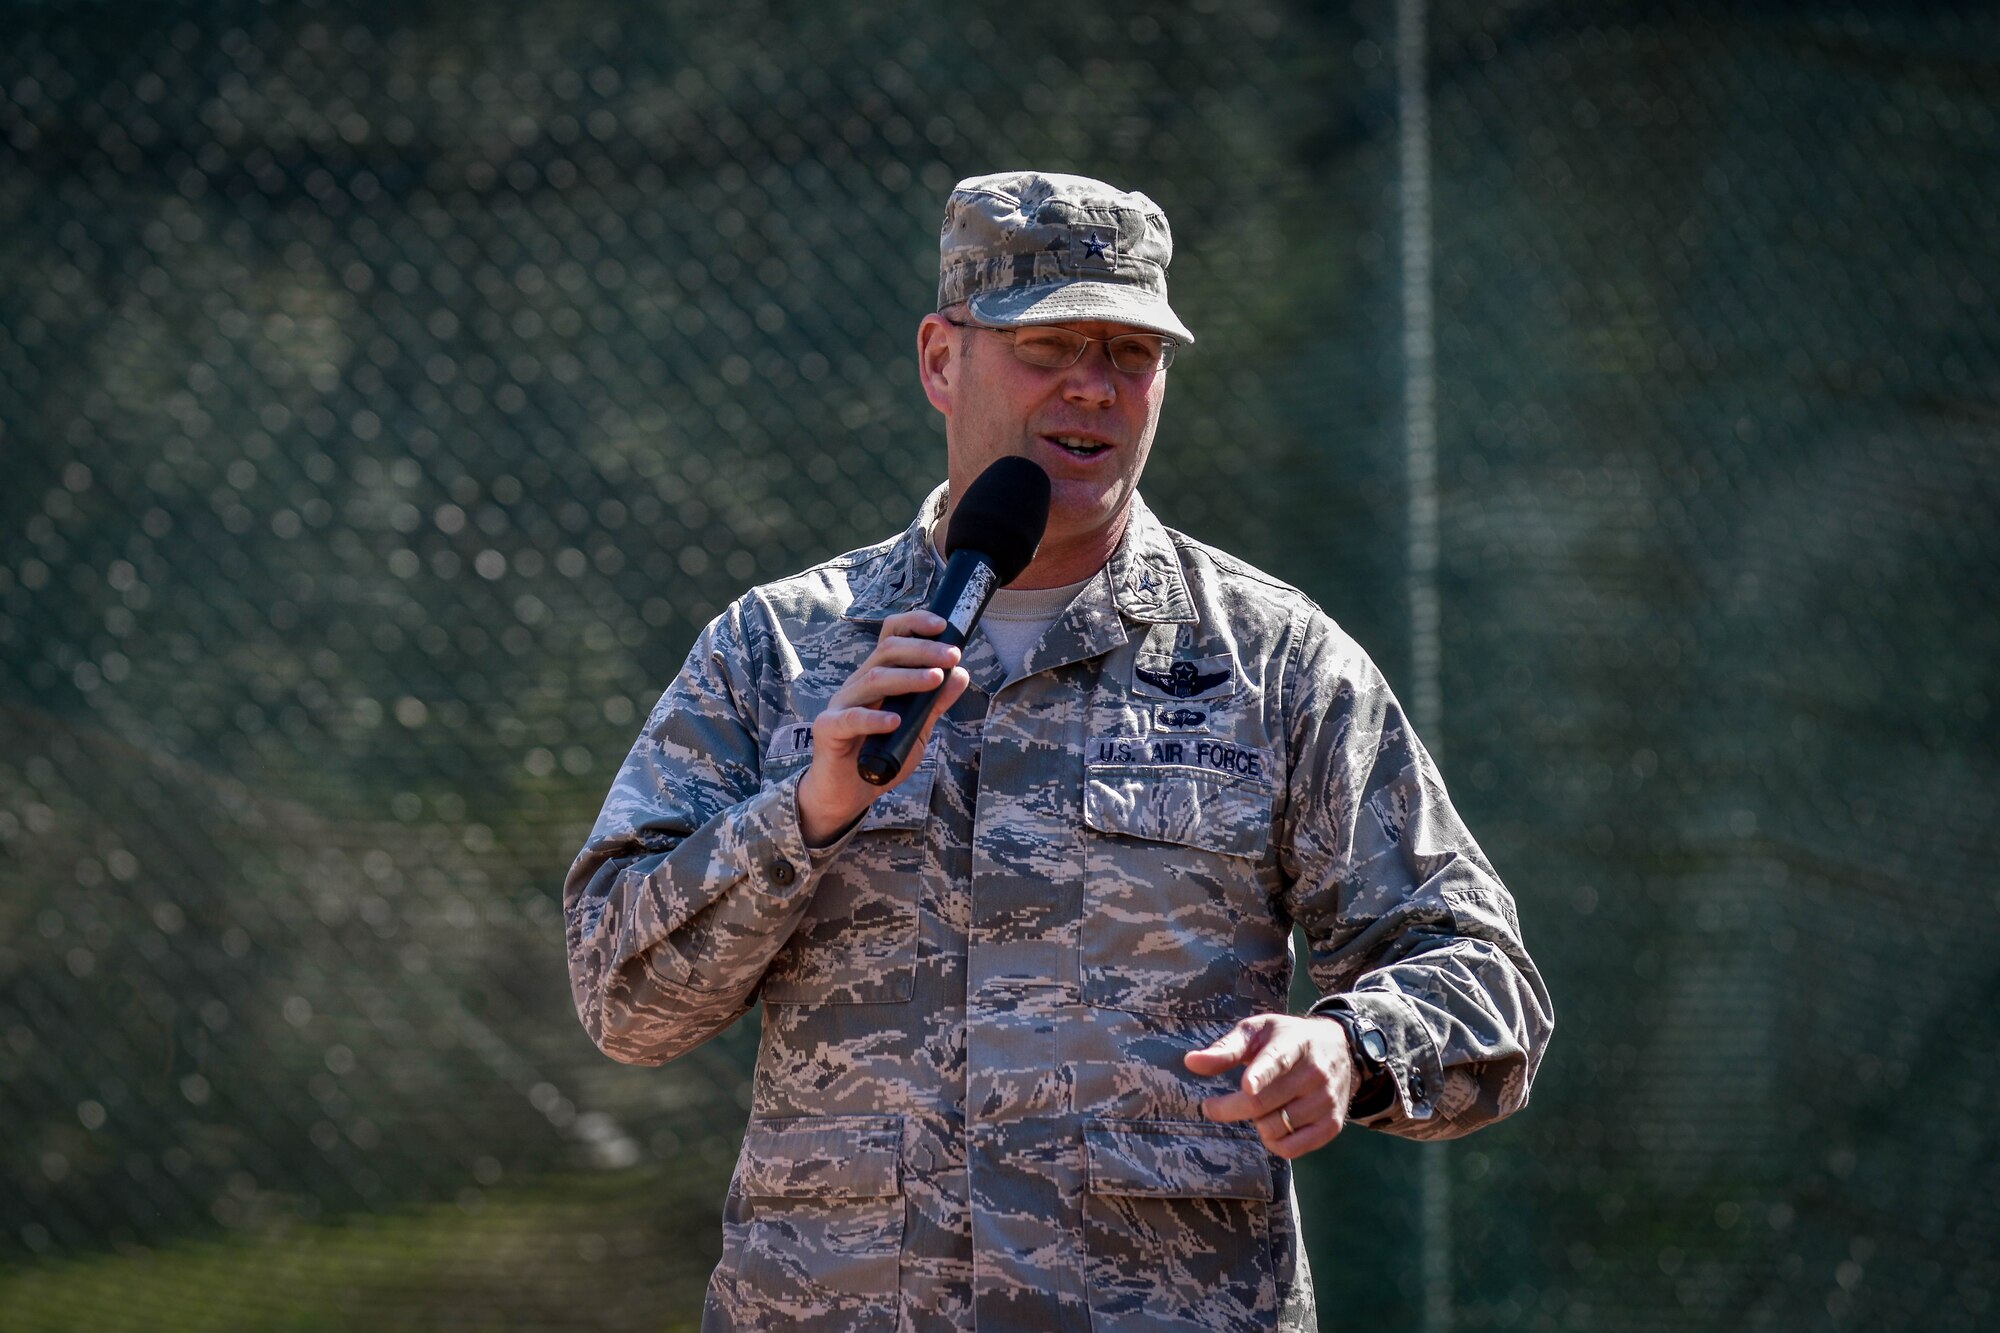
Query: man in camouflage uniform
x,y
1006,1000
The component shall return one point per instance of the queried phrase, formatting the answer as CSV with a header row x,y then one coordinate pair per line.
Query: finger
x,y
1312,1108
1271,1128
844,724
1232,1047
900,650
1230,1106
872,684
1313,1124
955,683
1277,1057
1295,1116
1301,1079
873,679
918,622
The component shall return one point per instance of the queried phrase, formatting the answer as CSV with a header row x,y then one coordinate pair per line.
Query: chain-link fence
x,y
388,393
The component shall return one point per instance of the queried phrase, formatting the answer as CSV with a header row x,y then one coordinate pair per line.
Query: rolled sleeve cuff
x,y
771,844
759,878
1415,1074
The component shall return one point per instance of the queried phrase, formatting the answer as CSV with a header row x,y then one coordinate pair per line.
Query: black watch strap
x,y
1371,1055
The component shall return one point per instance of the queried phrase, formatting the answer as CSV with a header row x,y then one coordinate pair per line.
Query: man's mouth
x,y
1076,446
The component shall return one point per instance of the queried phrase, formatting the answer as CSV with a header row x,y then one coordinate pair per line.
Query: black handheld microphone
x,y
993,535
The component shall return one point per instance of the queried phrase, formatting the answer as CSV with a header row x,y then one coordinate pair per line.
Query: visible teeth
x,y
1078,444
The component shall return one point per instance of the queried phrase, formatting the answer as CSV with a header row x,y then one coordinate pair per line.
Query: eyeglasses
x,y
1057,348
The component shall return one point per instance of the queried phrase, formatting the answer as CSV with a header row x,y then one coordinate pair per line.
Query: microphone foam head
x,y
1002,515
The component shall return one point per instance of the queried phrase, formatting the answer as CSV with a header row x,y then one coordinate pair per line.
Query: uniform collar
x,y
902,578
1146,581
1142,581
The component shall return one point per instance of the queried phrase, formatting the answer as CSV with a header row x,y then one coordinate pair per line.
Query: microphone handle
x,y
961,598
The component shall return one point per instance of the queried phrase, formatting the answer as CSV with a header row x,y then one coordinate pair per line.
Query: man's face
x,y
1089,425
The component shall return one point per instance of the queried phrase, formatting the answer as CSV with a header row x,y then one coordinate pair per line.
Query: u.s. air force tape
x,y
1199,752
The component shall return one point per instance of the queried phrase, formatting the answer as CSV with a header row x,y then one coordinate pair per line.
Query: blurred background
x,y
389,393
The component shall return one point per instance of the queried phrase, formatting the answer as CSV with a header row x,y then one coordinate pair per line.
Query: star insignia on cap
x,y
1094,247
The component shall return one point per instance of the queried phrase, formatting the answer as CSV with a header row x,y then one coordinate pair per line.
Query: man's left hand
x,y
1300,1075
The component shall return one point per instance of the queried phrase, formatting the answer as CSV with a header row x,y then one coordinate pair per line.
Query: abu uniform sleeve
x,y
695,874
1409,928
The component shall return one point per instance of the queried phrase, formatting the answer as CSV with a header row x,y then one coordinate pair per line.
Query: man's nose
x,y
1092,381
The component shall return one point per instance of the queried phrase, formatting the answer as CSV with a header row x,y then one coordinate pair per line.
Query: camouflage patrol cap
x,y
1030,247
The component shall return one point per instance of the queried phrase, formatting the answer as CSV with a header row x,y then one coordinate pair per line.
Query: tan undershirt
x,y
1016,619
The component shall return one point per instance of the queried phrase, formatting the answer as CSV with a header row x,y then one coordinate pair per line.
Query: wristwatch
x,y
1371,1057
1371,1048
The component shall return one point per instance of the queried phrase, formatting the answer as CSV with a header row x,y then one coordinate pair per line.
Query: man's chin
x,y
1079,508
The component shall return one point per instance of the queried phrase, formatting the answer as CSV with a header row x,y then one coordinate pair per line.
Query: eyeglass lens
x,y
1132,353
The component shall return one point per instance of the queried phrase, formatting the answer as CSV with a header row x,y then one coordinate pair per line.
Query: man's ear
x,y
937,360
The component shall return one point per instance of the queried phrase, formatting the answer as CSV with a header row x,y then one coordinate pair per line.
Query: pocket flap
x,y
823,1157
1193,809
1175,1160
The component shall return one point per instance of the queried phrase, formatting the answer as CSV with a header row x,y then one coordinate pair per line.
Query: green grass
x,y
625,1251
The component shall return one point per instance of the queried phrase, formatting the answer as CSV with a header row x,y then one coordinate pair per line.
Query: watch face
x,y
1373,1044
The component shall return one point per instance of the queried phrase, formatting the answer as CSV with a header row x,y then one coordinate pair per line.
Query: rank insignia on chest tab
x,y
1171,678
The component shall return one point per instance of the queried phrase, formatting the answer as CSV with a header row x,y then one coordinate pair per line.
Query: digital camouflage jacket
x,y
969,1102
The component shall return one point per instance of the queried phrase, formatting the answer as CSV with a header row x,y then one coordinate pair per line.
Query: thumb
x,y
1231,1048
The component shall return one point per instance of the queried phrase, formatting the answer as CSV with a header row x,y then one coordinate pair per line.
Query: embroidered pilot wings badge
x,y
1182,680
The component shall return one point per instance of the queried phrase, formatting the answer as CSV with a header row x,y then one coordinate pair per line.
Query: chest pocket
x,y
1176,909
858,941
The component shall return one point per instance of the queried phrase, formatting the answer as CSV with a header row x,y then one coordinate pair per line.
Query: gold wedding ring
x,y
1285,1114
